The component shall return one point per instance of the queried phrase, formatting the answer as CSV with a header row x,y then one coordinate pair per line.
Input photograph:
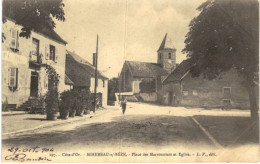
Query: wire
x,y
125,38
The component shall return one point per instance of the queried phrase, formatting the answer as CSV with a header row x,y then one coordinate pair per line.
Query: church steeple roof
x,y
166,43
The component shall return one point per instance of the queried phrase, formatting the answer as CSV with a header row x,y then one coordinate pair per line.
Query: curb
x,y
215,142
13,114
54,123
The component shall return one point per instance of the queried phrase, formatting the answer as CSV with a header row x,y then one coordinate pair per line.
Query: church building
x,y
143,80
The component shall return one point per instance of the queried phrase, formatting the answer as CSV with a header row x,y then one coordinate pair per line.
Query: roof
x,y
79,73
51,34
143,69
68,81
79,59
166,43
179,72
76,72
47,32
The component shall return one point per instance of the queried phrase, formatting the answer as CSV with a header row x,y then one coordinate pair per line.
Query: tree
x,y
147,86
33,14
112,88
223,36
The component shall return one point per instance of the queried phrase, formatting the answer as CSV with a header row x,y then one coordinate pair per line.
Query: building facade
x,y
82,75
134,75
181,89
22,73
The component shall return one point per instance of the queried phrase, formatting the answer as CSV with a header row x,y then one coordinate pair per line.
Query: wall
x,y
100,89
175,88
210,93
20,60
125,80
149,97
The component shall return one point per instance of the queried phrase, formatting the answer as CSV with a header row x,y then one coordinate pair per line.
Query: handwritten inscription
x,y
20,154
42,154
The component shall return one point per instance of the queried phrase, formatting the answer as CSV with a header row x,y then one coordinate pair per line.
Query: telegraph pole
x,y
96,80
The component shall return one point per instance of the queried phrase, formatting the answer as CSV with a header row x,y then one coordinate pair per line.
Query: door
x,y
34,84
170,98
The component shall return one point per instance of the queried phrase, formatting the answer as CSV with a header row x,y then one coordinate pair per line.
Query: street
x,y
145,128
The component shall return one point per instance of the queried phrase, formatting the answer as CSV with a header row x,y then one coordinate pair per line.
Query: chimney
x,y
94,59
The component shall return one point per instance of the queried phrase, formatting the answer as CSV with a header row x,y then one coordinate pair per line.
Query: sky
x,y
127,29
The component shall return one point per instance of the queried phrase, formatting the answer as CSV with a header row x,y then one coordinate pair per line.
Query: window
x,y
13,76
52,53
169,55
227,101
103,83
35,47
185,93
195,92
226,91
14,39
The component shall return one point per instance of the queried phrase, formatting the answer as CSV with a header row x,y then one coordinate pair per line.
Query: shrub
x,y
5,105
52,101
65,102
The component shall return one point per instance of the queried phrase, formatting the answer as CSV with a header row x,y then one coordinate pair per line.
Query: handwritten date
x,y
19,154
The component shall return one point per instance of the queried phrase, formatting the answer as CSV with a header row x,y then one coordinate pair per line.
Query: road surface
x,y
146,133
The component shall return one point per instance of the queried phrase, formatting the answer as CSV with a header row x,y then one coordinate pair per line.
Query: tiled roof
x,y
76,72
68,81
143,69
46,31
79,73
89,67
79,59
179,72
166,43
51,34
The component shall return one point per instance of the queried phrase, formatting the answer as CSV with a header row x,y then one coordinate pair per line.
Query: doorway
x,y
34,84
170,98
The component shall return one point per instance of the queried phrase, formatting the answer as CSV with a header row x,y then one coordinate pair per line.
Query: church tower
x,y
167,54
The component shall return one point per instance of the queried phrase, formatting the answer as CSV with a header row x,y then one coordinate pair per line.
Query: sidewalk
x,y
19,122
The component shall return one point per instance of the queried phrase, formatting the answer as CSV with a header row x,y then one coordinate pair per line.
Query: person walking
x,y
123,104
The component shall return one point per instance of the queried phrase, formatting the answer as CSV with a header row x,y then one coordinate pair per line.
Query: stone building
x,y
82,75
23,76
181,89
134,74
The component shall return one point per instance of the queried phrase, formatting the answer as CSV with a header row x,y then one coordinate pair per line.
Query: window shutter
x,y
13,76
17,40
56,55
13,39
46,51
16,78
9,76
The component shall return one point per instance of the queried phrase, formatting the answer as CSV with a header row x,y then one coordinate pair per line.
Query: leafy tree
x,y
223,36
112,88
33,14
147,86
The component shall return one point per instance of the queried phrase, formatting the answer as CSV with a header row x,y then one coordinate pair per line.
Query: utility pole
x,y
96,80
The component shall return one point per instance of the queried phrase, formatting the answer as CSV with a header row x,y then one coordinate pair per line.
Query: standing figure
x,y
123,104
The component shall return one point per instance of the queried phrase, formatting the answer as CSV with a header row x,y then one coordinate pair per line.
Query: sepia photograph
x,y
130,81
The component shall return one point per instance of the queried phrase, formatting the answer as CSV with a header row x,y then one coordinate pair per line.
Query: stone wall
x,y
199,92
149,97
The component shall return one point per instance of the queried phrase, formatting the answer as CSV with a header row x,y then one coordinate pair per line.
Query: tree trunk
x,y
253,101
